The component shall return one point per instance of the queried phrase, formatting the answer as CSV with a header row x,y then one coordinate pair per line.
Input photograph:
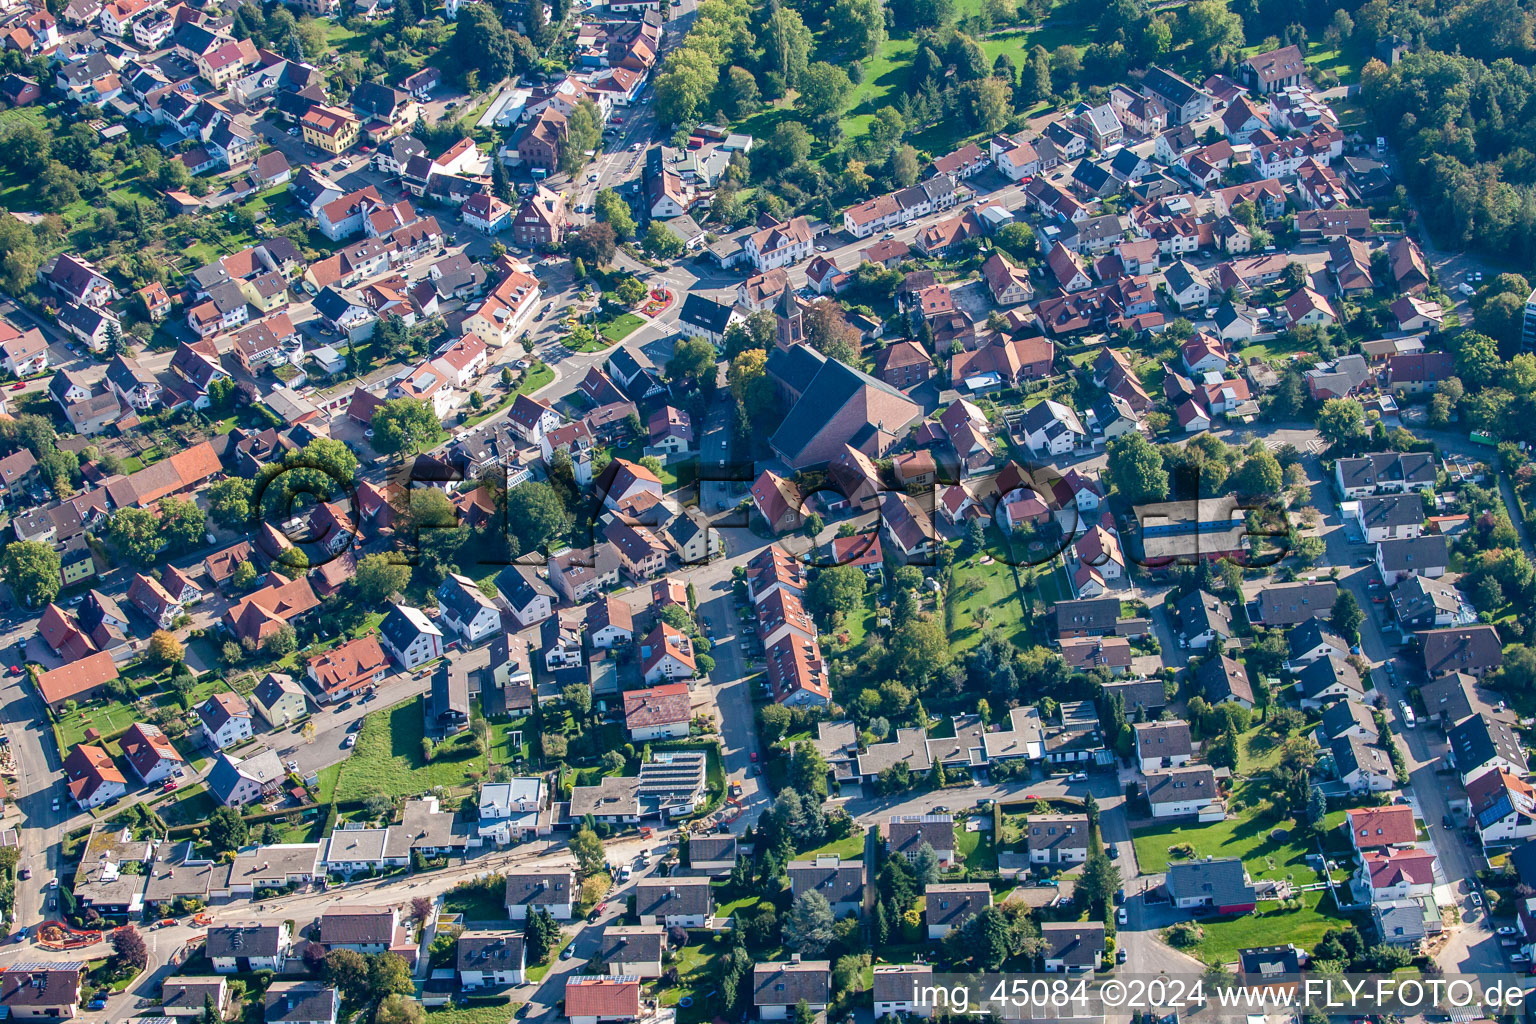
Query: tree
x,y
389,974
661,243
536,515
1017,240
403,426
347,971
594,244
227,831
481,44
905,165
1341,422
991,103
229,501
1259,476
377,577
165,648
136,532
1214,31
1346,616
1100,879
588,851
807,928
398,1009
130,951
1135,469
693,364
614,211
837,592
540,934
925,866
786,45
859,25
31,570
824,90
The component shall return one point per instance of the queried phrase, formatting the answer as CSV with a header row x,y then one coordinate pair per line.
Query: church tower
x,y
787,314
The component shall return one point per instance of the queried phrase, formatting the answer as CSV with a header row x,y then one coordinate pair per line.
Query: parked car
x,y
349,742
1122,918
1078,777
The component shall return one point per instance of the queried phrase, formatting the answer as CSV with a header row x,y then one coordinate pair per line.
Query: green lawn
x,y
976,849
534,378
1011,604
1304,927
188,806
622,326
694,978
848,848
500,1014
502,750
1247,838
388,758
108,719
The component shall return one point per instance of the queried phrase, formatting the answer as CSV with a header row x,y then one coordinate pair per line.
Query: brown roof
x,y
659,705
348,665
1382,826
77,678
601,997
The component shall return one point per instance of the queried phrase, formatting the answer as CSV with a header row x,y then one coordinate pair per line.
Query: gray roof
x,y
833,387
1286,604
632,944
838,881
706,313
1312,634
1352,754
1471,649
1163,739
1449,697
540,888
1324,672
521,586
300,1001
1087,613
1420,596
702,849
674,897
244,940
1391,510
1410,468
1344,715
1076,943
1415,553
955,903
1056,832
1399,921
1221,880
1180,785
1200,611
785,983
1479,740
1147,694
499,951
1223,678
190,993
908,834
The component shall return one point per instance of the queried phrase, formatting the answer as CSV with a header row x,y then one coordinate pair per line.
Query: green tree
x,y
786,45
630,291
32,572
389,974
859,25
399,1009
693,363
536,515
837,592
807,929
1346,616
1135,469
661,243
588,851
136,534
229,501
403,426
377,577
583,135
824,90
1341,422
226,830
613,210
347,971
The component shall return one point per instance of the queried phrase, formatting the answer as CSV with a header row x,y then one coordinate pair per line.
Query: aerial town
x,y
676,511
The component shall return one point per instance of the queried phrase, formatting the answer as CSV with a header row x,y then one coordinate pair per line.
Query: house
x,y
951,905
1503,806
247,947
186,996
1480,744
908,834
1289,604
601,1000
94,778
1183,101
840,882
1162,744
301,1002
490,959
1427,555
347,668
225,720
675,902
410,637
633,951
36,992
1419,603
1328,679
897,990
528,597
778,501
1360,767
1050,428
1273,70
236,781
1377,828
1072,947
713,855
778,987
1312,640
659,712
360,929
1473,649
468,611
77,680
1009,285
1396,874
1204,620
1056,839
446,707
1388,517
1218,883
1183,792
1447,700
667,653
265,612
279,699
1223,679
1384,473
150,753
532,890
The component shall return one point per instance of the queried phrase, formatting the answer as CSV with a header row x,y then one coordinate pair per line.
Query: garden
x,y
390,757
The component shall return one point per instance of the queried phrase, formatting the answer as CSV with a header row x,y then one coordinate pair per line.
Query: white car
x,y
1409,719
1122,918
635,148
1078,777
349,742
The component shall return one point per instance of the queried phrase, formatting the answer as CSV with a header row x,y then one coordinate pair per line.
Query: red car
x,y
19,385
754,755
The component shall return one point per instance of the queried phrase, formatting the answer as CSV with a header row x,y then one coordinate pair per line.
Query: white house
x,y
410,637
471,614
225,720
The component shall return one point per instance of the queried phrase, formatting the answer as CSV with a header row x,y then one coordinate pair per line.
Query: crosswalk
x,y
1315,446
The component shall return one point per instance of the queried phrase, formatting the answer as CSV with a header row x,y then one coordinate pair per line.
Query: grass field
x,y
108,719
1005,594
535,377
694,979
1246,838
472,1014
849,847
622,326
1304,928
388,758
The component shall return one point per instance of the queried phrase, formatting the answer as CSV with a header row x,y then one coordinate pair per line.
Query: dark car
x,y
343,706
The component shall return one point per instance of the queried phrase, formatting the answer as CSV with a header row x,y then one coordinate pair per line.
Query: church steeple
x,y
787,314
